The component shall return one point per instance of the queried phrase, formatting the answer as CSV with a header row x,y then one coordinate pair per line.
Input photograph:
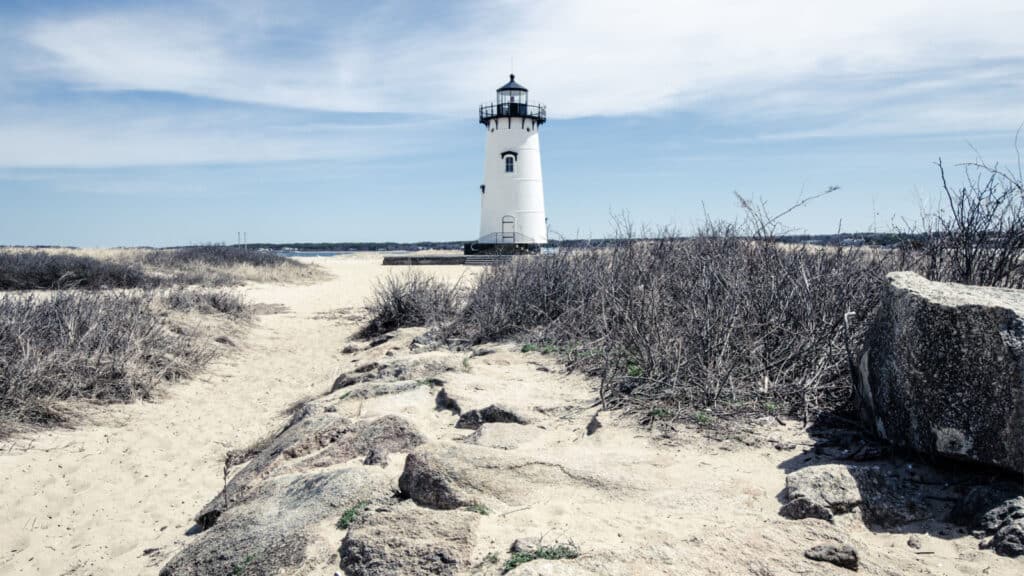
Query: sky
x,y
135,123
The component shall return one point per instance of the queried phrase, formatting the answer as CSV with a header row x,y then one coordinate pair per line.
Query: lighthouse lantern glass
x,y
511,102
512,96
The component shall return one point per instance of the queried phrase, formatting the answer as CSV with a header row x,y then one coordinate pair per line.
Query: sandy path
x,y
94,499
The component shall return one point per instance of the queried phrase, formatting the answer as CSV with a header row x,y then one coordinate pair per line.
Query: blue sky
x,y
132,123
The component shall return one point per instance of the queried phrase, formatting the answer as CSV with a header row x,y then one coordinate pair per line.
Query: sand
x,y
118,495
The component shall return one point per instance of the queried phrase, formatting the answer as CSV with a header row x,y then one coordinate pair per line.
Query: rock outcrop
x,y
447,476
406,539
996,513
314,439
884,497
270,532
943,370
265,518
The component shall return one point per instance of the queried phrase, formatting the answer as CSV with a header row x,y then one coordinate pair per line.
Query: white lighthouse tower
x,y
512,195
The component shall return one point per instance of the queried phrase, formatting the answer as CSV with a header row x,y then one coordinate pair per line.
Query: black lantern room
x,y
513,102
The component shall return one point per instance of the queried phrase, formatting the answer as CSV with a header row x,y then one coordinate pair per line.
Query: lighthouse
x,y
512,195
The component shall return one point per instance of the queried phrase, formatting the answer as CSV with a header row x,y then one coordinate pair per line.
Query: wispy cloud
x,y
788,68
588,56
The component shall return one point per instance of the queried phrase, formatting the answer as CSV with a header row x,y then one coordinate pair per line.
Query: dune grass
x,y
60,268
413,299
64,347
112,325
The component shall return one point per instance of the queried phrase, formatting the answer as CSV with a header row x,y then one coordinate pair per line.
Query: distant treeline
x,y
870,239
843,239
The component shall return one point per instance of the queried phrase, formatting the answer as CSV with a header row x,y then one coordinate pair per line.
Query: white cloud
x,y
583,57
788,68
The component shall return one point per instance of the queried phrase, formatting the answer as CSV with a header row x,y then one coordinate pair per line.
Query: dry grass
x,y
713,326
414,299
222,266
46,269
103,346
117,323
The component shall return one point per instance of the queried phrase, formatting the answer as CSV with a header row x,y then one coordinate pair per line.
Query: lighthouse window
x,y
510,164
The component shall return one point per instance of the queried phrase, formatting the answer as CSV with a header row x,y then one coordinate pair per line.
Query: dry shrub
x,y
413,299
210,266
44,270
735,323
224,266
977,236
207,302
109,346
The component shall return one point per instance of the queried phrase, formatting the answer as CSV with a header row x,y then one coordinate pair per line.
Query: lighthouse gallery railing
x,y
536,112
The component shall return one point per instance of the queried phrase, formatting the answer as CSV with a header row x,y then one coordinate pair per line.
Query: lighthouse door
x,y
508,230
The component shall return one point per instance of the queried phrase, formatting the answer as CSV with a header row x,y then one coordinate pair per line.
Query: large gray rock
x,y
943,370
1006,522
820,492
996,511
313,440
447,476
884,497
270,532
406,539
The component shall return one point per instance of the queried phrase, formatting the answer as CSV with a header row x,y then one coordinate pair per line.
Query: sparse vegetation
x,y
31,269
223,266
557,552
414,299
977,235
54,269
349,516
479,509
207,301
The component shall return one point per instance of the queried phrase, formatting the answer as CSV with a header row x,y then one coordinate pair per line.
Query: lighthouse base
x,y
504,249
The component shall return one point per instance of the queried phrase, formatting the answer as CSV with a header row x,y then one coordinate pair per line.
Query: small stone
x,y
376,456
524,545
445,402
350,349
367,368
841,555
914,541
494,413
783,446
